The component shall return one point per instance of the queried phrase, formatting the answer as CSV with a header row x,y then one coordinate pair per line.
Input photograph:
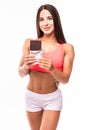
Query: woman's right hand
x,y
29,61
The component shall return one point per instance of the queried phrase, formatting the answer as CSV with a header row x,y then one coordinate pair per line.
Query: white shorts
x,y
37,102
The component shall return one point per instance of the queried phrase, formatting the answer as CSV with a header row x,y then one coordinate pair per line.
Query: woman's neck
x,y
49,39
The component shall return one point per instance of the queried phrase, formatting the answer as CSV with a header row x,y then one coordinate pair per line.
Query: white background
x,y
17,22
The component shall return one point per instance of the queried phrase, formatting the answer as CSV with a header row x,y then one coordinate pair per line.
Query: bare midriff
x,y
42,83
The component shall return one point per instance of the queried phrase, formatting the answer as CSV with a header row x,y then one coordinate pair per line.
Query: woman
x,y
43,96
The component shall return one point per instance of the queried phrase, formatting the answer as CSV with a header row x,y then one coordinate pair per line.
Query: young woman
x,y
43,96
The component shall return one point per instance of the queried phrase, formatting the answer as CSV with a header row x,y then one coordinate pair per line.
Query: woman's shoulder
x,y
68,46
27,41
69,49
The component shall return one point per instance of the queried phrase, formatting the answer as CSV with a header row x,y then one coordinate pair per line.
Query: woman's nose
x,y
45,22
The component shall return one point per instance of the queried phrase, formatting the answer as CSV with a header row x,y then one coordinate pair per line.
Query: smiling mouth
x,y
47,28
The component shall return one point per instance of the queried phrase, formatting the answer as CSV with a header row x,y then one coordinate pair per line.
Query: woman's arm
x,y
23,68
27,60
60,76
64,76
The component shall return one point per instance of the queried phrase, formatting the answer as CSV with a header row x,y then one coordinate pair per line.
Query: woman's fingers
x,y
45,63
30,59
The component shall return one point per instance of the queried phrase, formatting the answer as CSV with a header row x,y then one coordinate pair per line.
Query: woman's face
x,y
46,23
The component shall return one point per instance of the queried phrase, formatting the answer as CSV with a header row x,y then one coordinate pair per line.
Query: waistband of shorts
x,y
44,96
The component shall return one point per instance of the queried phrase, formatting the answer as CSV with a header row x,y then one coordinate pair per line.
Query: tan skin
x,y
44,83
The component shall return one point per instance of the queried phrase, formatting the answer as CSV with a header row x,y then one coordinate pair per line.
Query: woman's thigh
x,y
50,120
34,119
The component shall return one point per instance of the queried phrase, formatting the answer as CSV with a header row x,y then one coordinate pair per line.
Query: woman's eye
x,y
41,19
50,18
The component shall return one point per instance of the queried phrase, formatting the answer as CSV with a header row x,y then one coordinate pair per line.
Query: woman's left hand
x,y
46,64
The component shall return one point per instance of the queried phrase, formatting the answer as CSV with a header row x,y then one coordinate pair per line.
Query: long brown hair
x,y
57,23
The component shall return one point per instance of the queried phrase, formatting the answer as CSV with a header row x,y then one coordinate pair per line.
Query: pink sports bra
x,y
56,57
